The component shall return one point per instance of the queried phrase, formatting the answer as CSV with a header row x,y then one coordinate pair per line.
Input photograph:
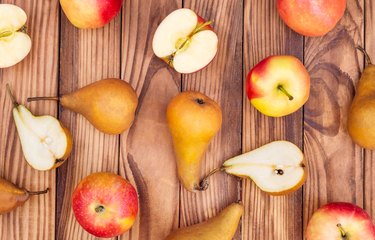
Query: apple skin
x,y
311,17
115,194
263,80
353,219
90,13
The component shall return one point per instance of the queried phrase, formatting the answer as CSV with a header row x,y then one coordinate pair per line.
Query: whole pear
x,y
193,120
221,227
12,196
361,116
108,104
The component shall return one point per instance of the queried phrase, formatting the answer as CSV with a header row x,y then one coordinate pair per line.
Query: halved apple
x,y
15,44
46,144
185,41
277,168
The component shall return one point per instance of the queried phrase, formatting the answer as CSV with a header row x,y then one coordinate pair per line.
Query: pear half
x,y
46,144
276,168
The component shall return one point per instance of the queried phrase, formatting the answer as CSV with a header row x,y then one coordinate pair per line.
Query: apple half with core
x,y
277,168
278,85
90,13
340,221
185,41
15,44
46,143
105,204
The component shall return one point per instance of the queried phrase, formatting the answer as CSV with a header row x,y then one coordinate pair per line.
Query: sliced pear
x,y
46,144
15,44
185,41
276,168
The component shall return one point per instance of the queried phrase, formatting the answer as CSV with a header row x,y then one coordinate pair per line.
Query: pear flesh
x,y
44,141
276,168
221,227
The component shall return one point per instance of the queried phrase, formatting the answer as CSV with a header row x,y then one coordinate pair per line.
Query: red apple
x,y
90,13
278,85
105,204
185,41
340,221
311,17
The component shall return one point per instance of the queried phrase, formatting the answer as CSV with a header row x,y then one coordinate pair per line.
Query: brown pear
x,y
221,227
361,116
108,104
12,196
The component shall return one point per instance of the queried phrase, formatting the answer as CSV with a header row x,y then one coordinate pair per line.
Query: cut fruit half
x,y
185,41
276,168
15,44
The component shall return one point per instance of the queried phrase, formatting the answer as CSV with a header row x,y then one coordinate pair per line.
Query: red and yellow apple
x,y
90,13
185,41
311,17
278,85
105,204
344,221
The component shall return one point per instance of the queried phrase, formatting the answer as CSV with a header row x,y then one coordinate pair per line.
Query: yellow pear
x,y
221,227
108,104
361,116
193,120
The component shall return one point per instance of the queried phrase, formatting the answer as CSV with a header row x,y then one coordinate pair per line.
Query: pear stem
x,y
38,192
344,236
283,90
203,185
32,99
14,101
368,59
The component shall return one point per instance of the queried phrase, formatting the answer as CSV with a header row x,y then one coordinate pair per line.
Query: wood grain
x,y
146,152
221,81
335,162
37,74
269,217
85,57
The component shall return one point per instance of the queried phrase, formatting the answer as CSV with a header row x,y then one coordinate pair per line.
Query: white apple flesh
x,y
15,45
185,41
276,168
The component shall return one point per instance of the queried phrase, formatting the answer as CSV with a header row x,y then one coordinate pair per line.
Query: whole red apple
x,y
90,13
278,85
105,204
340,221
311,17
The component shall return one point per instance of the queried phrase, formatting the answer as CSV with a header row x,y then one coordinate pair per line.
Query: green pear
x,y
193,120
221,227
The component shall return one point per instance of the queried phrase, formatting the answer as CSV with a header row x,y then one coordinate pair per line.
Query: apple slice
x,y
185,41
277,168
46,144
15,44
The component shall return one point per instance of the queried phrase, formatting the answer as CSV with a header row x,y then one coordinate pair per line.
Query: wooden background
x,y
64,58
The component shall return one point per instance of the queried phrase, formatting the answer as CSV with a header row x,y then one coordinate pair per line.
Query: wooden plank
x,y
85,57
37,74
369,173
335,162
221,81
146,152
269,217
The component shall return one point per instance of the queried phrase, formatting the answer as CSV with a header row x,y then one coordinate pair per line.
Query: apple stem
x,y
201,27
283,90
14,101
368,59
203,185
32,99
38,193
342,231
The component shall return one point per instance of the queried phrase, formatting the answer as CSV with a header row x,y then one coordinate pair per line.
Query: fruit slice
x,y
276,168
46,144
15,45
185,41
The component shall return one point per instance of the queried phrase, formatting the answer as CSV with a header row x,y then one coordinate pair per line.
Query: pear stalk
x,y
33,99
13,99
38,192
203,185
